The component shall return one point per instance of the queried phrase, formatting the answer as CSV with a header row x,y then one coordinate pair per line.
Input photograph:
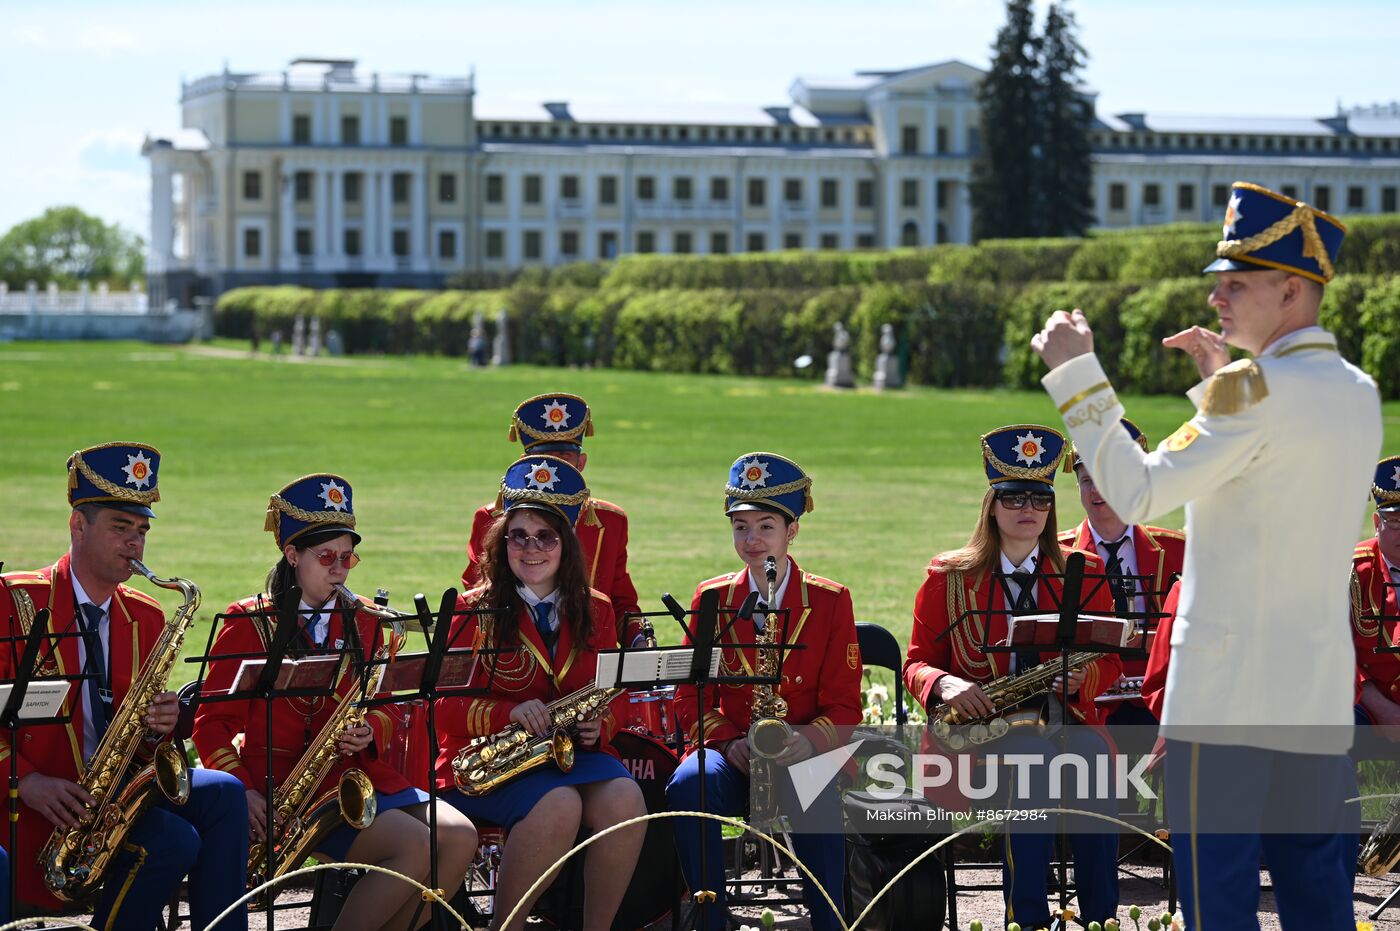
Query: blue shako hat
x,y
1386,487
546,483
768,482
1022,457
1072,459
122,476
311,504
551,423
1264,229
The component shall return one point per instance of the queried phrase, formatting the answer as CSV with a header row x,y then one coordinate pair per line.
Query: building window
x,y
534,189
1219,195
447,244
568,243
533,244
301,182
607,189
352,187
758,193
349,130
400,244
304,241
719,243
1387,200
792,240
682,243
1356,197
646,188
352,242
1151,195
909,192
909,140
865,193
909,235
682,189
829,241
495,244
756,242
831,192
940,195
398,130
252,243
646,241
301,129
398,183
1185,197
252,185
719,189
865,240
1289,190
1117,196
1322,197
568,187
495,189
792,190
607,245
942,140
447,188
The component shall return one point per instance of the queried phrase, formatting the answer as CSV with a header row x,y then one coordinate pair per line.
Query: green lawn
x,y
897,476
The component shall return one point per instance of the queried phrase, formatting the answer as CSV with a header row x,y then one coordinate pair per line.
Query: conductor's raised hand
x,y
1066,336
1206,348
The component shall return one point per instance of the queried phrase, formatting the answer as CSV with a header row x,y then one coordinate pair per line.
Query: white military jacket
x,y
1274,471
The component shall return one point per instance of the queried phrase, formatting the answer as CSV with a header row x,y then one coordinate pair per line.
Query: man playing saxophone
x,y
313,521
111,489
1006,568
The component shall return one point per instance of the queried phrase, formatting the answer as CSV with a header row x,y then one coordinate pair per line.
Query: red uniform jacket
x,y
57,749
521,675
946,595
821,683
295,721
602,533
1160,555
1371,600
1154,681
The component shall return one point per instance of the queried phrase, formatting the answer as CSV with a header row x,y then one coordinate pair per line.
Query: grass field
x,y
897,476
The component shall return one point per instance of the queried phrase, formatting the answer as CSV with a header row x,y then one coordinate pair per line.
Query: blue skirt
x,y
337,843
514,800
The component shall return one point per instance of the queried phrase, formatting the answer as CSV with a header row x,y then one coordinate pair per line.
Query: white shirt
x,y
1127,561
1013,589
759,621
532,599
318,631
104,634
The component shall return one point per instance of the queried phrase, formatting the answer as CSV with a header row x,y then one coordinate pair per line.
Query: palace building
x,y
327,176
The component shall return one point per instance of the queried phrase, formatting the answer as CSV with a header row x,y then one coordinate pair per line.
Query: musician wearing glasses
x,y
111,489
313,523
551,626
1375,609
1008,567
765,497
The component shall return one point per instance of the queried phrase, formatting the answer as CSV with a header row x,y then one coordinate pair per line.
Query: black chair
x,y
878,647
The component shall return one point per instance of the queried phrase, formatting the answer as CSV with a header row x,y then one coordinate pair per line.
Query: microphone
x,y
746,609
673,606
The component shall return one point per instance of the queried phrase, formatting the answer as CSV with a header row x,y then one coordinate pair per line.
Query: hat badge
x,y
556,416
333,495
1395,479
755,474
543,476
1030,448
138,470
1233,215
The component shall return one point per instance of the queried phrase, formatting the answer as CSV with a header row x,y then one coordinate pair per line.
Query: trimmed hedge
x,y
1101,303
1380,347
1006,261
1147,317
771,270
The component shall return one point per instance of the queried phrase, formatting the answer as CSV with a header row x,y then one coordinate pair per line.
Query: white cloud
x,y
105,40
29,36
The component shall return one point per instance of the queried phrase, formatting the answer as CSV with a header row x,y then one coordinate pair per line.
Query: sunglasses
x,y
1016,500
545,540
328,557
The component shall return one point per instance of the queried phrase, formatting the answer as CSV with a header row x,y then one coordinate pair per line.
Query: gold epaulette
x,y
718,581
1234,388
600,596
1066,537
136,595
820,582
1166,532
600,505
24,578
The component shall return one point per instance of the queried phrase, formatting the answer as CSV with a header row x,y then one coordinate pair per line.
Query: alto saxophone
x,y
1382,850
1006,694
74,860
303,819
768,731
488,762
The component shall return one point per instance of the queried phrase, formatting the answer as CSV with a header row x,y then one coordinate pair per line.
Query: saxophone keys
x,y
998,727
956,742
979,733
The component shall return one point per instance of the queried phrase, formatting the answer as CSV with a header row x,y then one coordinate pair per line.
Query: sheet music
x,y
41,700
649,666
1123,628
309,672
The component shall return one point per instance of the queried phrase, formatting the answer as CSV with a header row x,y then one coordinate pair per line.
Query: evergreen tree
x,y
1003,173
1066,166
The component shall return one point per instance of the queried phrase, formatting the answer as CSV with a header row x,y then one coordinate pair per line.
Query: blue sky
x,y
82,82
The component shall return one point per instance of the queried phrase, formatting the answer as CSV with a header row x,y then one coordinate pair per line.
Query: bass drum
x,y
656,886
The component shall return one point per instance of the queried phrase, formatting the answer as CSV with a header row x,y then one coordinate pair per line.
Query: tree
x,y
1067,171
1003,174
67,245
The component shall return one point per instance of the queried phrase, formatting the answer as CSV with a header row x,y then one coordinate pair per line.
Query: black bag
x,y
918,900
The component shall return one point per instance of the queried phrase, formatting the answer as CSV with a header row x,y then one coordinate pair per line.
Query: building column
x,y
1101,199
162,216
322,241
386,228
286,219
891,218
418,219
962,212
958,143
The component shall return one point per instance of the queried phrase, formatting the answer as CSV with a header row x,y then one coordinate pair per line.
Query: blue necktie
x,y
1025,604
1122,587
548,634
95,664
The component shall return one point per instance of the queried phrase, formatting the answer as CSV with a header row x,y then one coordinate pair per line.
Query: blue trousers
x,y
206,838
1231,788
1094,843
727,793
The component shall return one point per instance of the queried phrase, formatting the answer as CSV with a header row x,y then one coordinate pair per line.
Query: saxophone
x,y
302,818
1382,850
74,860
488,762
768,731
1007,694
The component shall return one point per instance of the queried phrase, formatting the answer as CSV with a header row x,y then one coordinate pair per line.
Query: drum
x,y
656,886
651,712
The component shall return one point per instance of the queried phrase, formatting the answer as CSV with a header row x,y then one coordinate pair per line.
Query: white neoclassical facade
x,y
324,175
